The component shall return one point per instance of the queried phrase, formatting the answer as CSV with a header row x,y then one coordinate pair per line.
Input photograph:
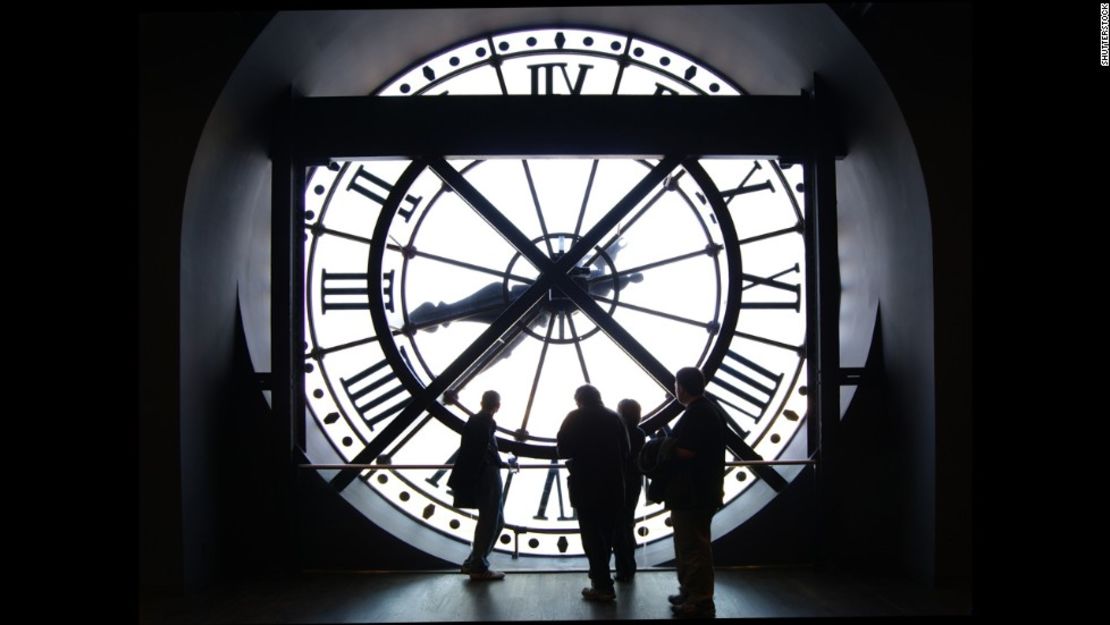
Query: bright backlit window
x,y
445,273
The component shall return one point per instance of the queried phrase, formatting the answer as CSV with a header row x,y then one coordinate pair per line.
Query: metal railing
x,y
516,531
740,463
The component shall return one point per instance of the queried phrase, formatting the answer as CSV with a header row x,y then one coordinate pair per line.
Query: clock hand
x,y
612,250
502,349
483,305
599,281
603,286
598,278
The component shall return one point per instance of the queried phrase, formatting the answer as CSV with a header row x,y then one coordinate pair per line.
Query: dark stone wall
x,y
184,60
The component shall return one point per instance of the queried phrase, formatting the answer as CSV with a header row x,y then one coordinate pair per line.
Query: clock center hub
x,y
596,276
557,301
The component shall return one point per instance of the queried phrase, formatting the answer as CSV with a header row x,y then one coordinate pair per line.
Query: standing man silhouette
x,y
695,492
595,443
476,483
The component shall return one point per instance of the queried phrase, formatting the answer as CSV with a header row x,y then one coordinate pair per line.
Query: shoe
x,y
624,578
703,609
486,575
593,594
466,569
677,599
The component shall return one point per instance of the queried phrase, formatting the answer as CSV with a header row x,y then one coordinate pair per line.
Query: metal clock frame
x,y
313,131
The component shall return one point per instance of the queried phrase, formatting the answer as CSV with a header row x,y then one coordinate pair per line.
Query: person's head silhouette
x,y
689,384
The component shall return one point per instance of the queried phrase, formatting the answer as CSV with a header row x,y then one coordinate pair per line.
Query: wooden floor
x,y
375,597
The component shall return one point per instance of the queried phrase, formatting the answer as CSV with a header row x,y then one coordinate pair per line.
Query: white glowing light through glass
x,y
680,222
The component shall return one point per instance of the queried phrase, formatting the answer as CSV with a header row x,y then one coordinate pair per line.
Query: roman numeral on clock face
x,y
344,291
543,78
376,190
744,386
368,392
744,187
438,475
793,292
553,479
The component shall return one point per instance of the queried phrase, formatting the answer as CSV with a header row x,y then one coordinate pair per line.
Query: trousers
x,y
693,550
624,540
596,526
491,519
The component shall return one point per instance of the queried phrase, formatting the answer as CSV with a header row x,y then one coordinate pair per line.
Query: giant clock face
x,y
409,262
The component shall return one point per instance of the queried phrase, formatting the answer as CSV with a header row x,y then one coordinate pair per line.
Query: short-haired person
x,y
594,441
476,483
695,492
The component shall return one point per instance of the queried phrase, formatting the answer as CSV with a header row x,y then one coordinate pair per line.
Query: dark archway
x,y
887,249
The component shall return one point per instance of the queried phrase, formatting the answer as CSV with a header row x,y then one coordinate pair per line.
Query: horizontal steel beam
x,y
350,128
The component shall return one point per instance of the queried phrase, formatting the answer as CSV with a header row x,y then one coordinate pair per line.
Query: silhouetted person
x,y
594,441
624,541
694,492
476,483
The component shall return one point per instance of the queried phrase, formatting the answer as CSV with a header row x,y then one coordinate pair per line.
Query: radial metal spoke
x,y
768,281
799,228
701,324
658,263
798,349
324,351
497,67
539,369
495,218
585,199
458,263
505,343
539,211
318,228
626,227
422,400
611,219
639,354
578,348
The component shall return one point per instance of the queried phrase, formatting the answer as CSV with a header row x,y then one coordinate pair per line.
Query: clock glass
x,y
660,264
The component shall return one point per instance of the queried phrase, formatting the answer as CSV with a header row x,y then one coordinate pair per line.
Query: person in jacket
x,y
476,483
694,492
593,440
624,541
